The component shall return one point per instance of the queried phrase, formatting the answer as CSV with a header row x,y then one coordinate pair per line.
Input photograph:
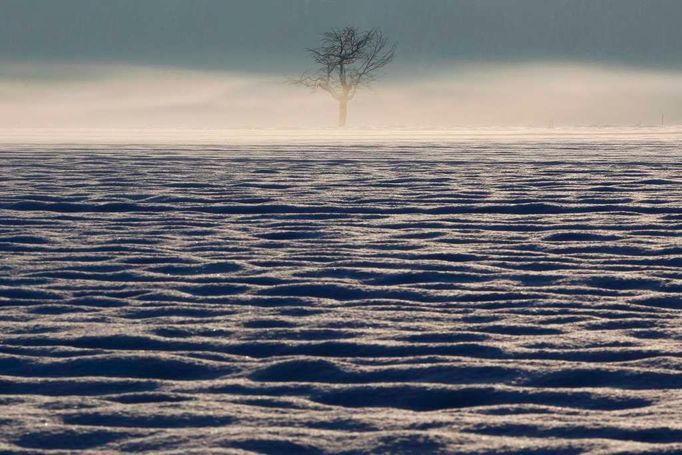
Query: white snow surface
x,y
450,297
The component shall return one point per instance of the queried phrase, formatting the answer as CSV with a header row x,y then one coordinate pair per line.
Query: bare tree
x,y
348,59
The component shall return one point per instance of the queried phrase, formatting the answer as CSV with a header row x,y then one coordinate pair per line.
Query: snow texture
x,y
434,298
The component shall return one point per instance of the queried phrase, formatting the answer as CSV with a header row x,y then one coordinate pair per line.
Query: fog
x,y
212,64
535,94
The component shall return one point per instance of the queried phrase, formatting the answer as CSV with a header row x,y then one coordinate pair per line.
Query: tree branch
x,y
348,59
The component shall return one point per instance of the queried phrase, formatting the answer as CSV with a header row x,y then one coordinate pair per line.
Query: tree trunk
x,y
343,112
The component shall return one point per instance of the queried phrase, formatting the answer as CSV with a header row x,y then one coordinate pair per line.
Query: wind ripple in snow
x,y
482,298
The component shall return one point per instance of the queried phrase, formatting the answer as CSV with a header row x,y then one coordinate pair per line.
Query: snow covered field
x,y
474,296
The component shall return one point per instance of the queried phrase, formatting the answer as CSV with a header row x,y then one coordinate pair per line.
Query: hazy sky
x,y
223,62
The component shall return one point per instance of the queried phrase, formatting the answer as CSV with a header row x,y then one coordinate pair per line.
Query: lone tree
x,y
348,59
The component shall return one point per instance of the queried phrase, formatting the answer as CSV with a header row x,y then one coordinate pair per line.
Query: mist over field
x,y
530,94
215,64
480,253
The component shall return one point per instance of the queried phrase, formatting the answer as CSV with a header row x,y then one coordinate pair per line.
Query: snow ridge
x,y
478,297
